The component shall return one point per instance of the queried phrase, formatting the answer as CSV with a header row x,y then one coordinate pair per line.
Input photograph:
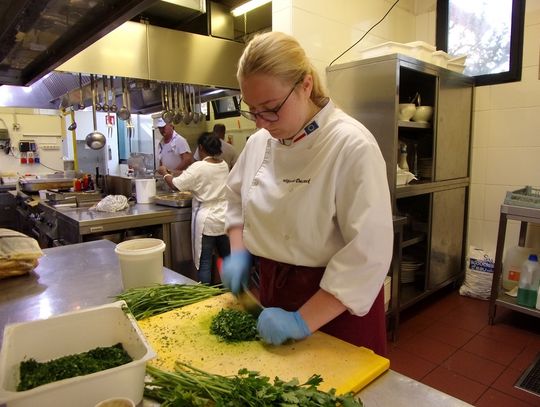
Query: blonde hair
x,y
280,55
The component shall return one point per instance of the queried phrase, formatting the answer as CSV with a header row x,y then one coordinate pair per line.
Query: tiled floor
x,y
446,343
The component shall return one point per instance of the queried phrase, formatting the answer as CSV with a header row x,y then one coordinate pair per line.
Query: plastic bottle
x,y
512,262
528,282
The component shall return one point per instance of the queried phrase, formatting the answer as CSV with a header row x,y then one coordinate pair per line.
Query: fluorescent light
x,y
250,5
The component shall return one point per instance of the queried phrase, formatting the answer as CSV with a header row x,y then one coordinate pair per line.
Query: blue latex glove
x,y
235,270
275,326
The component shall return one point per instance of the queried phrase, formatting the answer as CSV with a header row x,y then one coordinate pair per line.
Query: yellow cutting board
x,y
184,335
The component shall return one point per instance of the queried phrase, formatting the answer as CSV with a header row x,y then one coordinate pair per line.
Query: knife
x,y
245,297
249,302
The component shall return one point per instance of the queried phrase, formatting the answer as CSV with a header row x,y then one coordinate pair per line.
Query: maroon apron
x,y
289,287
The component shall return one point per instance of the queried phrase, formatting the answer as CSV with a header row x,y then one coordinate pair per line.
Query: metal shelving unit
x,y
432,247
525,216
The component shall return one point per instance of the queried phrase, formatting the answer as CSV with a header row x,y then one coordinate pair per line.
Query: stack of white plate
x,y
409,266
425,167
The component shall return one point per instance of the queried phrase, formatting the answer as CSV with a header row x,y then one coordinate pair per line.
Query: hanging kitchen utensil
x,y
95,140
105,93
202,116
184,111
114,107
177,111
189,115
168,114
81,97
124,113
129,123
196,114
97,103
73,124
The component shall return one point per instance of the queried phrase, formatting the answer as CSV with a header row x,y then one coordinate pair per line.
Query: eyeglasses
x,y
267,115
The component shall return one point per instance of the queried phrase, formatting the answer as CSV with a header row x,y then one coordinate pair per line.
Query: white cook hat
x,y
159,122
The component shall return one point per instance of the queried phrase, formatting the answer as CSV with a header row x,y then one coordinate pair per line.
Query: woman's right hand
x,y
235,270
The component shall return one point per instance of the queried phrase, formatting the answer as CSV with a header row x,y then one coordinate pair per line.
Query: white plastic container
x,y
421,50
145,190
141,262
528,282
69,334
459,68
386,48
440,58
512,262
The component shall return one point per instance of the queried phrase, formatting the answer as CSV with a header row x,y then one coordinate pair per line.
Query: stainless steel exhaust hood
x,y
38,35
147,52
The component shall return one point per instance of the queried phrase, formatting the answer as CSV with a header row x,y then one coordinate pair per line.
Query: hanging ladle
x,y
73,124
168,114
95,140
113,107
105,106
124,113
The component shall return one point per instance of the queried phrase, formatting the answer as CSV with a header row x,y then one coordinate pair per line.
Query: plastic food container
x,y
440,58
141,262
421,50
459,68
386,48
68,334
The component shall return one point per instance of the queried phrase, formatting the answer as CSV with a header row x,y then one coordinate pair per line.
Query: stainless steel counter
x,y
83,275
68,278
88,221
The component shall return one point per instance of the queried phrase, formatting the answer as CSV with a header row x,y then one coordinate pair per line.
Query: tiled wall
x,y
506,142
326,29
506,133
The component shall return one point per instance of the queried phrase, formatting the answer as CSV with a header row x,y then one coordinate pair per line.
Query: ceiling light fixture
x,y
250,5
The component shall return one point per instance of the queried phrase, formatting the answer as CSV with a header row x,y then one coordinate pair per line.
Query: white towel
x,y
111,203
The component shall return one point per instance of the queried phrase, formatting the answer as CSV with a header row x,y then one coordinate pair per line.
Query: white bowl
x,y
423,114
406,111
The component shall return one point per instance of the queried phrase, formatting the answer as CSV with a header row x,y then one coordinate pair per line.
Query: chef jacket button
x,y
255,182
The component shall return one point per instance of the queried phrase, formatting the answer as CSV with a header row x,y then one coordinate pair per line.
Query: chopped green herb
x,y
188,386
233,325
35,373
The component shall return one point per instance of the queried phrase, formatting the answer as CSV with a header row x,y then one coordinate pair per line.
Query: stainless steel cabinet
x,y
447,237
435,204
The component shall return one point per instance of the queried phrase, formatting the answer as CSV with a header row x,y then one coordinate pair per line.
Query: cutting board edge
x,y
354,386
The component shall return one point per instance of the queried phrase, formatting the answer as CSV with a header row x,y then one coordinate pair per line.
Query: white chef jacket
x,y
206,181
321,202
169,153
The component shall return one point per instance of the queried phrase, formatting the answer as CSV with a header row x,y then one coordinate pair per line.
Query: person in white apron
x,y
206,179
309,197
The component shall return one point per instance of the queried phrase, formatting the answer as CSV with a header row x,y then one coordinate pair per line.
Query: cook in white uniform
x,y
309,196
173,150
228,152
206,180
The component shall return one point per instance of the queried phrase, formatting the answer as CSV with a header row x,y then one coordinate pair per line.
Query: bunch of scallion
x,y
188,386
145,302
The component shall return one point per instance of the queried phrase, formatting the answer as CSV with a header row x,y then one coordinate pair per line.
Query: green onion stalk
x,y
144,302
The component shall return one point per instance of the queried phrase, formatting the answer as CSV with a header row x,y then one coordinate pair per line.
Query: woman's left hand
x,y
275,326
162,170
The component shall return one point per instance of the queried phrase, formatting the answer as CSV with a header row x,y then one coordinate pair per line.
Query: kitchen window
x,y
489,32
